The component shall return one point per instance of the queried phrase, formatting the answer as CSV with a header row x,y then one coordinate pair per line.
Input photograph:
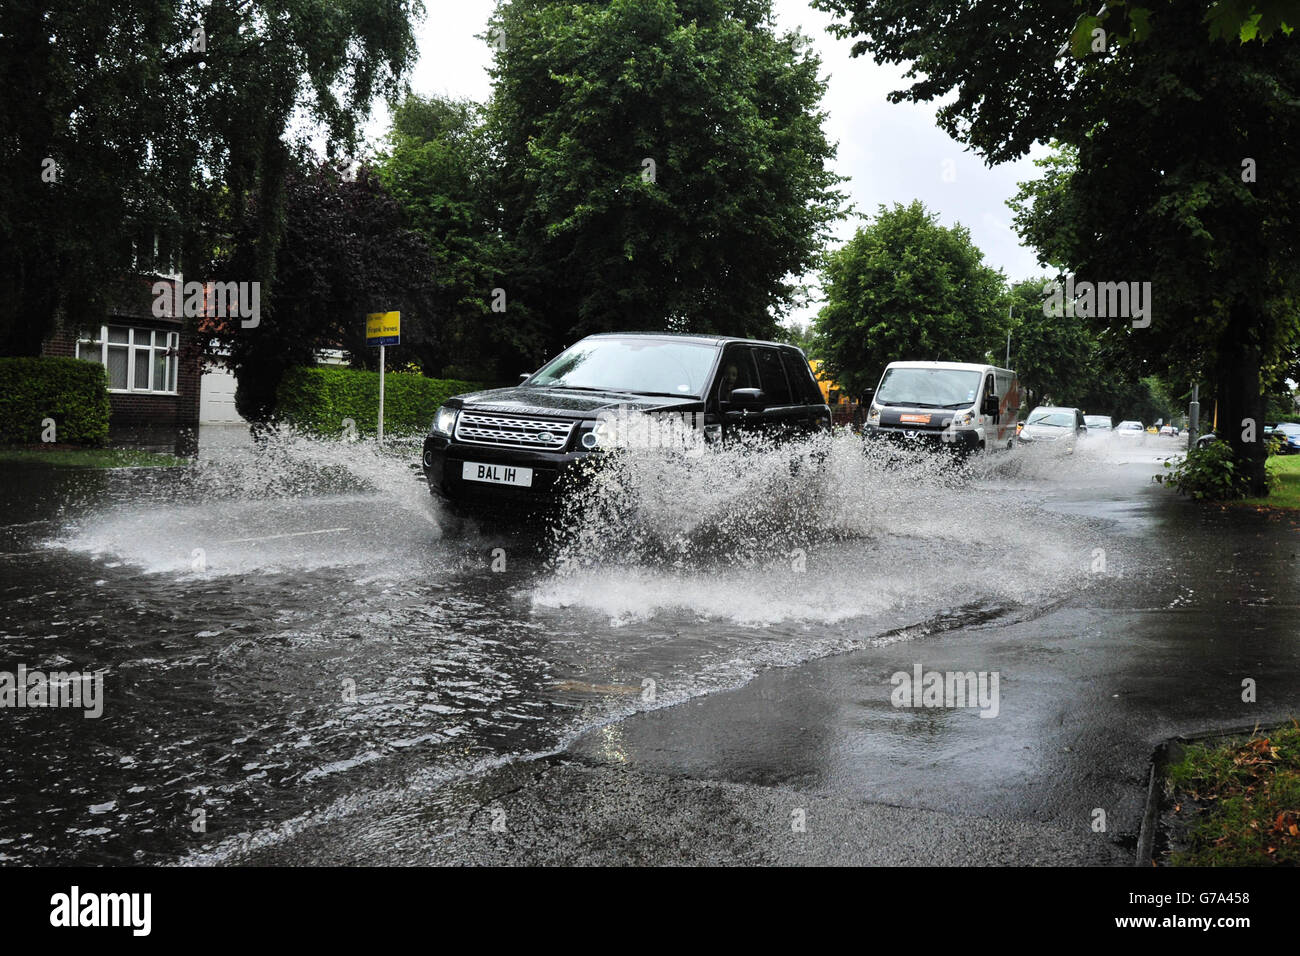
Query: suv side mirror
x,y
746,397
525,376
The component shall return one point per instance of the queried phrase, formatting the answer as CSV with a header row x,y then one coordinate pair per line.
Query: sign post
x,y
383,329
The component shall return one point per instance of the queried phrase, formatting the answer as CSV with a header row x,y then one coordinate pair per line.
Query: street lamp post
x,y
1194,415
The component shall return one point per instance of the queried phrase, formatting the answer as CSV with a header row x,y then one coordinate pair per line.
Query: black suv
x,y
511,446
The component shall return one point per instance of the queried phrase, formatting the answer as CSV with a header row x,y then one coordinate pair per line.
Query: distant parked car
x,y
1288,436
1130,429
1098,424
1285,436
1048,424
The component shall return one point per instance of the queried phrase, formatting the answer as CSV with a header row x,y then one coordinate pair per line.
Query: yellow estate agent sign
x,y
383,328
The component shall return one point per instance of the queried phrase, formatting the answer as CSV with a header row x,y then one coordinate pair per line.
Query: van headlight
x,y
873,414
962,419
445,420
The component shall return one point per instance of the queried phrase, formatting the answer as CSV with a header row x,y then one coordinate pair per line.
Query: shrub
x,y
318,399
1210,474
72,392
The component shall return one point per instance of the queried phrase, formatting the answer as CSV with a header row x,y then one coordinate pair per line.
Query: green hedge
x,y
318,399
72,392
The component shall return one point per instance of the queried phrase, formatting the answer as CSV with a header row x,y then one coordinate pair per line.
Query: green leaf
x,y
1140,20
1081,37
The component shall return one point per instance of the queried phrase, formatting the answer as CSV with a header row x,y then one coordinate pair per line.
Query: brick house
x,y
154,367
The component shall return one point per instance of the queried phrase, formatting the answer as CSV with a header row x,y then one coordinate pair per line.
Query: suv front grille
x,y
484,429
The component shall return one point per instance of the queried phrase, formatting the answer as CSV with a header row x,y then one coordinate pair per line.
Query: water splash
x,y
288,503
824,530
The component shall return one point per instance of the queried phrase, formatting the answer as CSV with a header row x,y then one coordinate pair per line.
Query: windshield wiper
x,y
623,391
588,388
915,404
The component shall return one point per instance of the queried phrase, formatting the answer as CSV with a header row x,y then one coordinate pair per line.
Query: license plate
x,y
498,474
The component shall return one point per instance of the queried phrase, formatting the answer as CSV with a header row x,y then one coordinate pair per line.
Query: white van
x,y
959,404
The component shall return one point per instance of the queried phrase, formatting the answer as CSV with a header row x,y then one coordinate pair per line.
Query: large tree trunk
x,y
1241,402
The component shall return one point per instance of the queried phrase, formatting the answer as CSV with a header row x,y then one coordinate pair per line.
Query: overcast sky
x,y
889,152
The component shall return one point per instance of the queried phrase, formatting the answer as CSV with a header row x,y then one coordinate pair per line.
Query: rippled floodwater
x,y
283,631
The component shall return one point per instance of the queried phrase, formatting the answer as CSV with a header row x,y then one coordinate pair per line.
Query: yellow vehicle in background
x,y
844,411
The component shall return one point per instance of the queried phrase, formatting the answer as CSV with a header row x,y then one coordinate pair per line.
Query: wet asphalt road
x,y
296,644
811,763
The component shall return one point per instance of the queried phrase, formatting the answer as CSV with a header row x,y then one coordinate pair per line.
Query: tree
x,y
1182,166
661,164
1064,361
1053,357
126,120
906,287
1282,405
345,253
801,336
437,166
1243,20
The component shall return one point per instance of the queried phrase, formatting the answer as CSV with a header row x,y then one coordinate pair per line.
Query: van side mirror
x,y
746,397
989,405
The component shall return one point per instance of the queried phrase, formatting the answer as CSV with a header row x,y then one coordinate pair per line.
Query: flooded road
x,y
287,632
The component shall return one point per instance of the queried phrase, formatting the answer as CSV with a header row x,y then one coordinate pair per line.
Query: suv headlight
x,y
445,420
873,414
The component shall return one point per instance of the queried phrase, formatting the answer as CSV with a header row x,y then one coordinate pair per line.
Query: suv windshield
x,y
928,387
1096,421
649,366
1059,419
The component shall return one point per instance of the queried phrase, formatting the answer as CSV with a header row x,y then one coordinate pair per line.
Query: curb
x,y
1170,751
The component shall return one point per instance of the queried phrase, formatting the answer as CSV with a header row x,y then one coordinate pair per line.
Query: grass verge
x,y
1237,804
1287,492
89,458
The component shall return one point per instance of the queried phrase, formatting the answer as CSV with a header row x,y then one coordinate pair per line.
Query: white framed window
x,y
137,360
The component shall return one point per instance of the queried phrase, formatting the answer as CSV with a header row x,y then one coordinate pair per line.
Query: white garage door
x,y
217,397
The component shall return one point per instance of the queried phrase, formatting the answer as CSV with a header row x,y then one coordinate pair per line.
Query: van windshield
x,y
928,387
